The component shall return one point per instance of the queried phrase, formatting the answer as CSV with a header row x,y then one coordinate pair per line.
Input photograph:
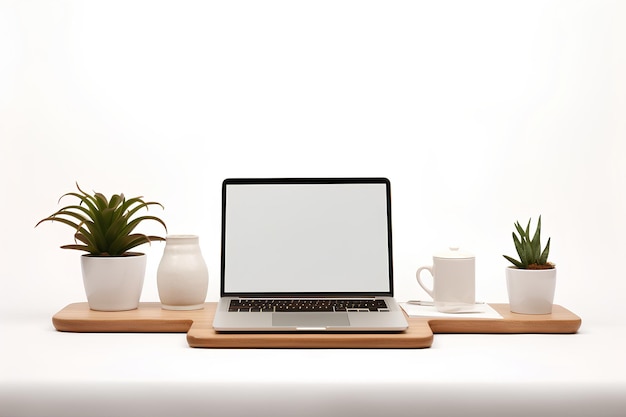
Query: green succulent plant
x,y
104,227
529,250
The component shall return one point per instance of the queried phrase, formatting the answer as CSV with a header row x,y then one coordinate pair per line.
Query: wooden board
x,y
149,317
561,321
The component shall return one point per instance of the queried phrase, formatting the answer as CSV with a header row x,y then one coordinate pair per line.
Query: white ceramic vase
x,y
182,276
531,291
113,283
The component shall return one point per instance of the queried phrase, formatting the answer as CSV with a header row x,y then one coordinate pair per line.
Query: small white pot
x,y
113,283
531,291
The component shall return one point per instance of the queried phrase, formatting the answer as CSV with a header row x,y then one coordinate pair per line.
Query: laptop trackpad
x,y
310,320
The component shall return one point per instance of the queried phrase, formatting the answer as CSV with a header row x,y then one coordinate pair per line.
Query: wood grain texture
x,y
561,321
149,317
201,334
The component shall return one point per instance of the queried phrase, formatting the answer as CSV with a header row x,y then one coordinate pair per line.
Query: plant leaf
x,y
544,255
116,200
61,220
138,220
142,205
519,229
77,247
518,243
514,262
132,241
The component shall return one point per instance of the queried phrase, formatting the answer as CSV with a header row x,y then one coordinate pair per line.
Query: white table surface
x,y
48,373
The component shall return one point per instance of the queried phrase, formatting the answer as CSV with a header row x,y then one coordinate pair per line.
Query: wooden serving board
x,y
198,324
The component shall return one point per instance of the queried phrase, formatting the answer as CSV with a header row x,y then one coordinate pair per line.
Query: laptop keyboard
x,y
280,305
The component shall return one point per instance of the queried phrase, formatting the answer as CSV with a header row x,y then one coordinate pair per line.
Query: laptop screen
x,y
306,236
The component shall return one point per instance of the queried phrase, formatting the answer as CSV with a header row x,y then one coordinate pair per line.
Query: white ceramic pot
x,y
531,291
113,283
182,276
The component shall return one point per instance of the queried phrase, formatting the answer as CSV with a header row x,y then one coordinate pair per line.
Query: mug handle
x,y
419,281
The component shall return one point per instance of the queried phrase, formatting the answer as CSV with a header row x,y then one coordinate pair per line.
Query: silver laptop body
x,y
307,254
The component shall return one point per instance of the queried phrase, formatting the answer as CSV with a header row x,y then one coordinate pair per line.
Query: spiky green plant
x,y
529,250
104,227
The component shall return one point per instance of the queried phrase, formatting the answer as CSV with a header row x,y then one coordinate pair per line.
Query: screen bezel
x,y
252,181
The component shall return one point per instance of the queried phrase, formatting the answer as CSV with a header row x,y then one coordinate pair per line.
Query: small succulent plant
x,y
104,227
529,250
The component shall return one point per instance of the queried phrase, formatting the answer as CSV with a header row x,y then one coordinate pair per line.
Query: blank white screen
x,y
295,238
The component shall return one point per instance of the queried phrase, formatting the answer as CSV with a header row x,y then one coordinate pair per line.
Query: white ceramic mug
x,y
454,280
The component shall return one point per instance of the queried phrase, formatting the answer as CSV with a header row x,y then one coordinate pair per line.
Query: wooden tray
x,y
150,318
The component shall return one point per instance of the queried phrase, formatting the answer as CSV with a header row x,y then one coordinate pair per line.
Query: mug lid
x,y
453,253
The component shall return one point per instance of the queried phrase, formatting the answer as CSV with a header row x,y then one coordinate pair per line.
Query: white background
x,y
481,113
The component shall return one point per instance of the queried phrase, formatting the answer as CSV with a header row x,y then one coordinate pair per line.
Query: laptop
x,y
307,255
